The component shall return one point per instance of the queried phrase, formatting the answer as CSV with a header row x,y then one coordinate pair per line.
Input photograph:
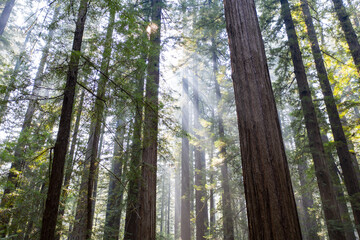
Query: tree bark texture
x,y
147,203
62,140
350,175
271,207
185,168
4,17
349,32
328,196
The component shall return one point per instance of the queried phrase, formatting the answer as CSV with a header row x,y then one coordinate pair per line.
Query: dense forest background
x,y
128,119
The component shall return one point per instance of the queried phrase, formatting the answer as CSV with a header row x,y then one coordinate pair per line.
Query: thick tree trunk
x,y
114,202
62,140
201,208
328,196
147,203
84,211
185,168
350,175
350,35
271,207
4,17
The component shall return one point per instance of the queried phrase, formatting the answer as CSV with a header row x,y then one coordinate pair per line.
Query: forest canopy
x,y
173,119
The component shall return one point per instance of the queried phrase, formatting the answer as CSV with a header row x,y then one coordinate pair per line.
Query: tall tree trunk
x,y
18,164
147,203
212,184
69,165
168,206
133,176
201,208
162,204
350,35
4,17
350,175
191,173
62,140
310,226
271,207
344,211
185,168
114,201
177,202
84,211
328,196
228,221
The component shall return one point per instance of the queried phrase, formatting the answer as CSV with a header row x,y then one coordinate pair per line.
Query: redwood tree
x,y
345,157
185,168
270,200
327,191
62,140
147,198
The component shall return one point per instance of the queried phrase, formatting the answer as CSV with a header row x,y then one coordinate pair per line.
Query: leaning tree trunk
x,y
344,211
350,34
17,165
147,198
4,17
327,193
350,173
271,207
185,168
62,140
84,211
